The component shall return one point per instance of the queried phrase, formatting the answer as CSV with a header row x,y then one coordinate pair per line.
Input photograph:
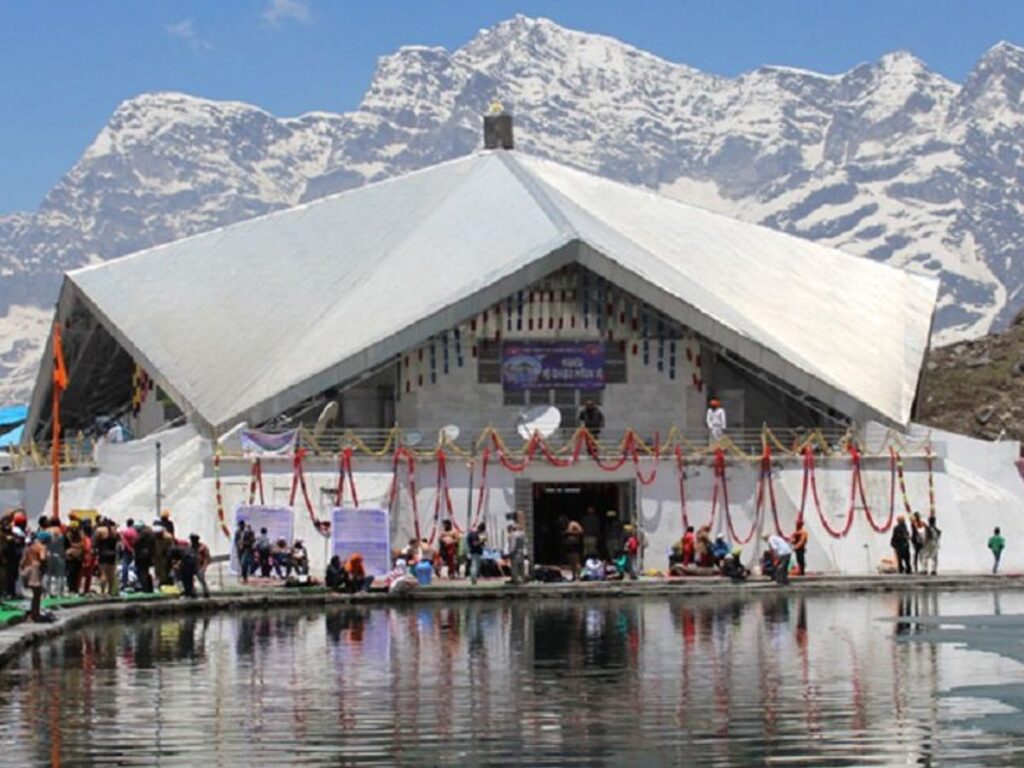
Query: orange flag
x,y
60,372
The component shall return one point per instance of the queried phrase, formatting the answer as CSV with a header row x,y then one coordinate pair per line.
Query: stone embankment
x,y
18,637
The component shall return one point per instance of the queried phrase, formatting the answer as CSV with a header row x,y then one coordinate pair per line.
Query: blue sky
x,y
64,66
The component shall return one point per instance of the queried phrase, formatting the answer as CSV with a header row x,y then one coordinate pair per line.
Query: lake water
x,y
784,679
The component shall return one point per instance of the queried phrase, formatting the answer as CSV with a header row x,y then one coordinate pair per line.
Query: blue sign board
x,y
554,365
365,531
279,522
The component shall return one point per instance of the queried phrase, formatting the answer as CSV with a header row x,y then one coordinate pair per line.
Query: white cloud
x,y
185,31
285,10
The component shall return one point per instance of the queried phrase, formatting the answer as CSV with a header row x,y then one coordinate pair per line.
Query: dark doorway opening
x,y
601,508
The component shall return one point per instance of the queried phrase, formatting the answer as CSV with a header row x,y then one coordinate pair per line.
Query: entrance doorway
x,y
601,508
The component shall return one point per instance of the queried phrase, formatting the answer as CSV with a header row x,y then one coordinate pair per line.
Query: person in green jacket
x,y
996,543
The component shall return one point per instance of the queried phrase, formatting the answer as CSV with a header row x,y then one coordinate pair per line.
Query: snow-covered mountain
x,y
890,160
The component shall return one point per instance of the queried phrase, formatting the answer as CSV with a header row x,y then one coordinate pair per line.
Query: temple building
x,y
460,309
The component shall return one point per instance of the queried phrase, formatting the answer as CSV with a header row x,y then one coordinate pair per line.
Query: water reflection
x,y
819,680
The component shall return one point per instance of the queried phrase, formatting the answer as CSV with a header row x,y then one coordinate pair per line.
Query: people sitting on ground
x,y
675,556
411,552
428,553
732,565
334,578
689,546
719,549
703,547
398,579
281,557
593,569
356,579
300,558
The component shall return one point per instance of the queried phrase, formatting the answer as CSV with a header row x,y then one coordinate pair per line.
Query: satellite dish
x,y
448,433
411,439
328,416
544,419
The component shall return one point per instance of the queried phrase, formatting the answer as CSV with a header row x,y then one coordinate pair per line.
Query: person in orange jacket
x,y
799,543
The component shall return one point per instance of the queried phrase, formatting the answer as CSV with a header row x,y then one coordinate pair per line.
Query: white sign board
x,y
279,522
364,531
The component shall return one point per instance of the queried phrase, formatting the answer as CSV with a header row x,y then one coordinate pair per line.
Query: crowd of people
x,y
92,555
919,538
257,554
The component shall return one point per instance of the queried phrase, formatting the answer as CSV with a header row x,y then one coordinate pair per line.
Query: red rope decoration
x,y
510,465
857,486
720,480
410,468
931,479
221,518
441,489
299,481
720,487
481,494
256,481
636,461
809,472
681,471
594,450
345,471
766,480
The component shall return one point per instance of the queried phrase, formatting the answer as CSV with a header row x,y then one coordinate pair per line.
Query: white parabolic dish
x,y
544,419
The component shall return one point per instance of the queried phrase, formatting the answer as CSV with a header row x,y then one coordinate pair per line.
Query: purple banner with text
x,y
556,365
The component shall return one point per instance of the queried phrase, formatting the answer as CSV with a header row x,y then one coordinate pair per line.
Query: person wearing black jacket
x,y
900,542
145,549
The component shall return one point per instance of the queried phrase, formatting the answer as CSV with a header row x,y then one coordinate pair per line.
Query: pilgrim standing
x,y
996,544
716,420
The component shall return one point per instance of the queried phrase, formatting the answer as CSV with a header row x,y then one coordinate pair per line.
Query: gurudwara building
x,y
425,345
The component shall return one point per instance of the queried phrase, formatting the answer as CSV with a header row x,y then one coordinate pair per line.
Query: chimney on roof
x,y
497,127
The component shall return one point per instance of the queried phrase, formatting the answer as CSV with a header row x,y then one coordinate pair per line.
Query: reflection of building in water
x,y
694,680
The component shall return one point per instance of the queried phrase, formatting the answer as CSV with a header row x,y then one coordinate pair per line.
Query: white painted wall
x,y
969,503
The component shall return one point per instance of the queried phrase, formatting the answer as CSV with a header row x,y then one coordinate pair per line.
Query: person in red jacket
x,y
689,546
632,551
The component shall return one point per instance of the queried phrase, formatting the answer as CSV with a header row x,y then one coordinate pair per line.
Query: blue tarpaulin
x,y
11,438
12,416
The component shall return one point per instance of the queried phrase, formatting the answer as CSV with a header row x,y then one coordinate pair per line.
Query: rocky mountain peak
x,y
889,160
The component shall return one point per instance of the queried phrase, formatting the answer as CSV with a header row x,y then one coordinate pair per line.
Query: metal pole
x,y
158,494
